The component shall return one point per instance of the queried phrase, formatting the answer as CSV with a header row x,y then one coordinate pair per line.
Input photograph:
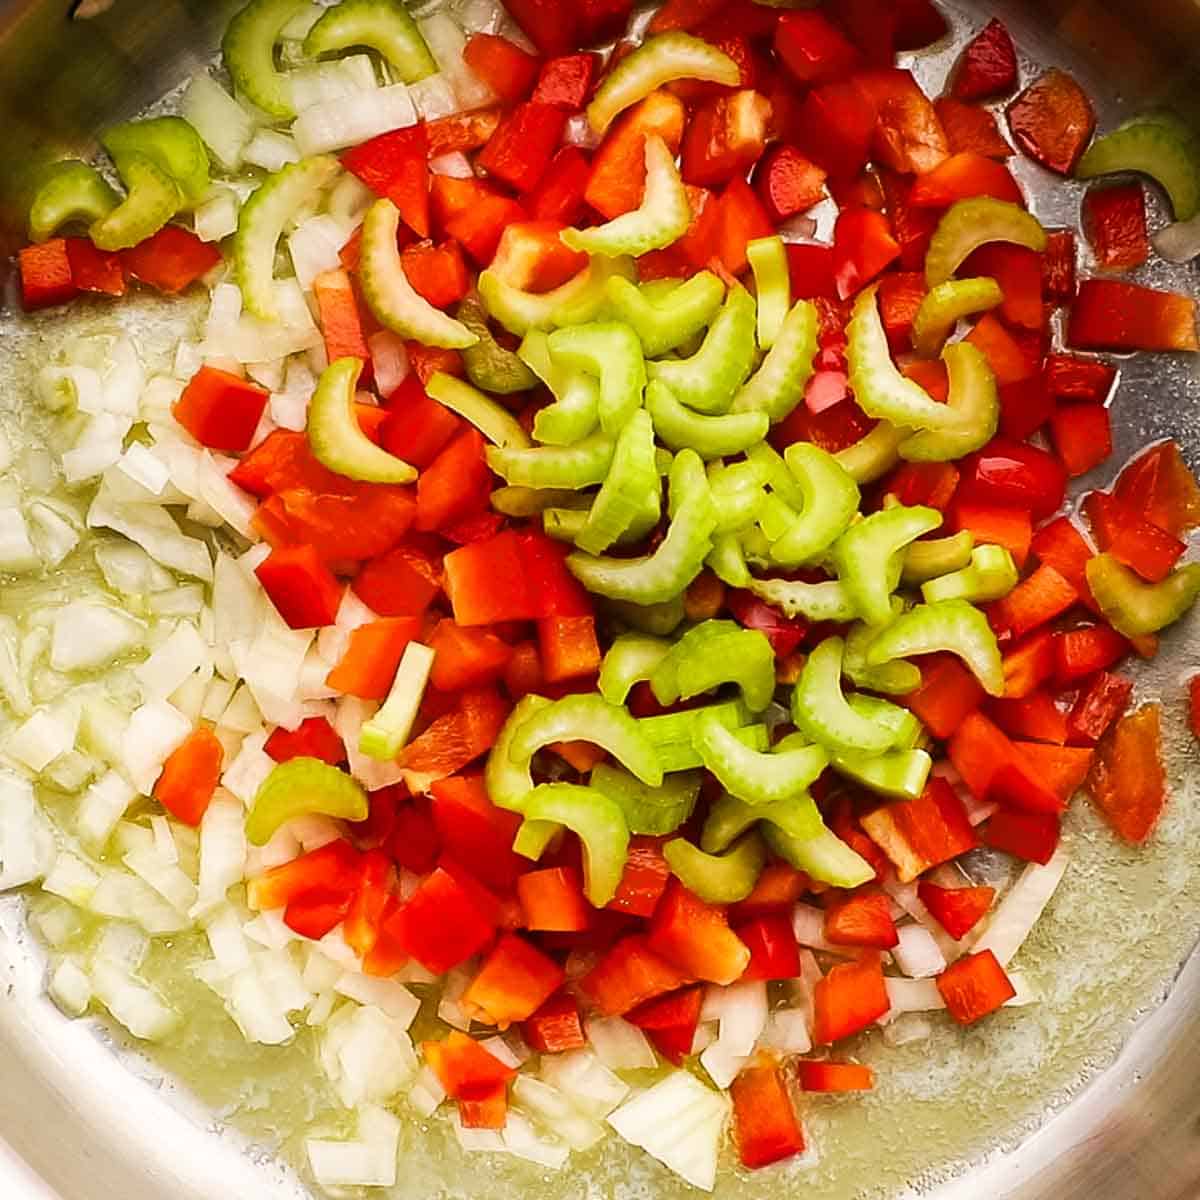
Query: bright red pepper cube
x,y
520,150
301,586
975,986
221,410
46,276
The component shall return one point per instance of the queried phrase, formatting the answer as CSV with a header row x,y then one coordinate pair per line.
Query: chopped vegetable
x,y
298,787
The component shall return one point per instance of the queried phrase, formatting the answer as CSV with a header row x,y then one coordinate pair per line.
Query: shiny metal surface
x,y
65,1105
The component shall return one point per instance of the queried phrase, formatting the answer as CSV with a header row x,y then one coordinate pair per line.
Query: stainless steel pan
x,y
96,1131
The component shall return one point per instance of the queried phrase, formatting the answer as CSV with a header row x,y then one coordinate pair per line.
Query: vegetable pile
x,y
629,613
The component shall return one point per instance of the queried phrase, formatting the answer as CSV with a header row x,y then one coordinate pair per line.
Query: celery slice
x,y
489,365
249,51
710,436
649,810
578,466
493,420
821,711
386,733
713,653
778,385
665,323
831,499
298,787
824,857
728,818
384,26
67,192
897,773
600,826
990,574
753,777
772,286
575,411
717,878
621,505
171,143
968,224
945,304
826,601
153,199
1133,606
581,299
874,455
630,659
508,781
938,556
612,352
896,678
973,400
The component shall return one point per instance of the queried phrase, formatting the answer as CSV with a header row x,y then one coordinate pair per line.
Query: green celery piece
x,y
728,818
713,653
589,718
1155,144
397,305
939,556
679,757
514,501
384,26
943,307
896,678
820,710
903,725
727,561
990,575
657,620
968,224
824,857
564,524
261,223
249,52
951,625
976,406
600,826
658,60
870,554
171,144
831,500
578,466
662,217
508,782
778,384
663,325
583,298
488,364
878,385
1134,607
671,733
386,733
708,379
737,492
775,474
649,811
630,497
337,439
686,480
717,878
827,601
776,519
710,436
897,773
297,788
753,777
630,659
67,192
493,420
152,199
772,286
874,455
534,838
612,352
574,414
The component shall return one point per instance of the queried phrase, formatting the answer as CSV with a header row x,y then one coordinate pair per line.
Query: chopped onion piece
x,y
37,742
808,924
393,999
787,1032
248,772
620,1045
183,653
434,97
72,879
222,849
552,1108
222,123
488,1141
917,953
1013,919
145,468
456,165
154,731
165,878
523,1141
389,360
132,1003
367,1056
216,217
226,939
907,1028
446,41
911,995
17,551
70,988
427,1092
590,1086
156,532
314,247
349,120
369,1161
271,150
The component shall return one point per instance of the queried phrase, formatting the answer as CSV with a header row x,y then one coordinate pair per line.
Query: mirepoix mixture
x,y
560,594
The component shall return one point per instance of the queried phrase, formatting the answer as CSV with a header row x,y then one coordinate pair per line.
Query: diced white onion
x,y
70,988
367,1055
314,247
216,217
87,635
249,770
787,1032
72,879
37,742
1180,242
164,877
222,123
455,165
808,924
334,125
1013,919
590,1086
434,97
132,1003
331,81
523,1141
183,653
389,360
427,1092
551,1107
369,1161
271,150
917,953
222,849
446,41
154,731
156,532
620,1045
393,999
17,552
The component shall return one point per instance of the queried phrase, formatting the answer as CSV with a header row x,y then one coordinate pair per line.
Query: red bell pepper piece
x,y
684,14
555,1027
784,633
774,953
844,823
988,66
1061,545
190,776
551,26
485,584
466,657
46,275
644,879
912,227
1079,379
863,191
283,461
962,176
1018,271
1131,539
908,136
918,24
975,986
1058,266
1127,782
401,583
1030,836
171,259
602,20
900,296
1159,485
515,980
995,524
923,483
670,1022
696,937
559,196
554,590
979,751
523,674
1084,651
1052,121
1097,706
525,141
922,833
741,220
438,272
475,833
787,183
1037,599
1015,785
1025,406
417,428
369,665
1110,315
948,694
414,842
1114,219
1006,356
971,128
1014,473
314,737
765,1123
724,138
1032,716
533,257
315,915
341,322
849,999
872,26
461,132
467,1070
332,871
566,81
489,1111
301,586
1194,705
552,899
834,127
93,270
457,738
343,529
956,910
221,410
361,926
627,975
1029,664
382,806
863,919
813,49
821,1076
569,649
455,485
396,165
442,924
863,246
507,69
1062,769
618,178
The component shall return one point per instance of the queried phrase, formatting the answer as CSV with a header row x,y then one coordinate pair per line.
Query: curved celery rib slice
x,y
393,300
898,773
944,305
384,26
575,412
581,299
611,351
600,826
298,787
755,778
826,601
825,857
713,653
772,286
989,575
335,436
578,466
710,436
717,878
630,659
508,781
631,496
387,732
649,810
663,215
973,400
896,678
1133,606
261,225
665,323
875,455
493,420
249,51
938,556
969,224
153,199
820,709
69,191
778,385
169,142
728,818
830,502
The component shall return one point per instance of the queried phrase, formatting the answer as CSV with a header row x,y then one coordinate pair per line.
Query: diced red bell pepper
x,y
956,910
849,999
478,227
912,227
779,886
417,428
455,739
1018,271
46,275
919,23
814,49
566,81
171,259
1061,768
313,916
314,737
872,26
995,524
1037,599
554,591
396,165
932,484
1052,121
1097,706
361,926
863,919
947,695
382,806
988,66
551,26
810,267
442,925
467,1070
696,937
784,633
1006,472
221,410
521,148
1033,837
283,460
466,657
1114,219
846,825
552,899
765,1123
979,751
684,14
461,132
670,1022
1029,663
963,176
523,674
1071,378
455,485
971,128
301,586
190,776
1015,785
485,583
1061,545
787,183
414,842
644,879
922,833
900,296
602,20
618,177
1194,705
1005,355
568,646
369,665
741,220
514,981
834,128
92,270
1058,266
863,246
438,273
1032,716
1127,782
1110,315
341,322
1084,651
629,974
507,69
1025,406
475,833
555,1027
908,136
401,583
863,191
774,953
489,1111
1159,485
1131,539
559,196
332,871
821,1076
975,986
724,138
531,256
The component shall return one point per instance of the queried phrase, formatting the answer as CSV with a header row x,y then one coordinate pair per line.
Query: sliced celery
x,y
384,26
249,51
152,199
665,323
67,192
493,420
